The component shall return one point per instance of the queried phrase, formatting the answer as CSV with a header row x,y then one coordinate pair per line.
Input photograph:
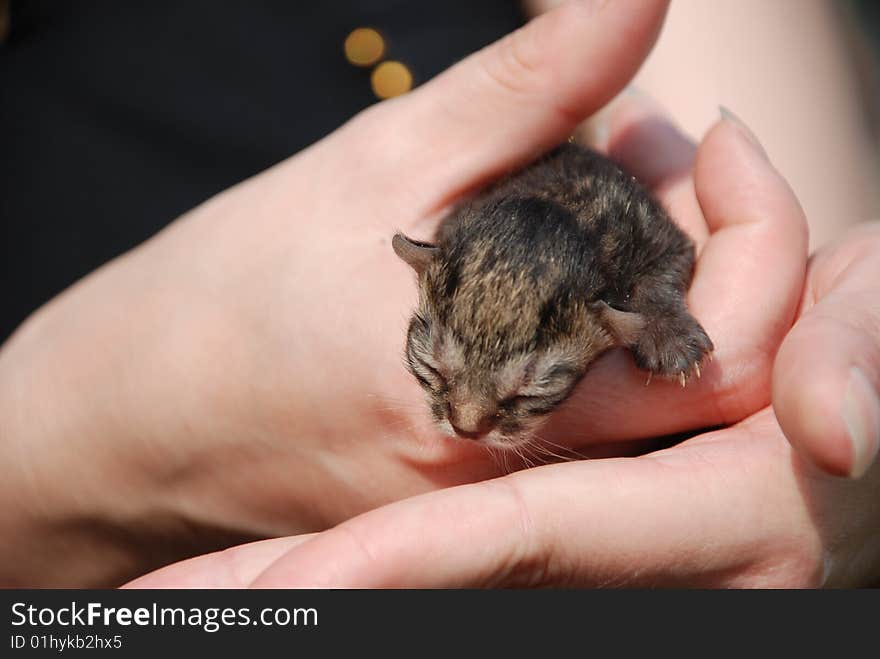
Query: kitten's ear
x,y
625,326
417,255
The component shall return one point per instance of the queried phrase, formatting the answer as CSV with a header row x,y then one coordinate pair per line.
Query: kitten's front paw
x,y
673,349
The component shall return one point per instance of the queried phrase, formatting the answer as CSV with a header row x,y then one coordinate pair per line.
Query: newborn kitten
x,y
529,282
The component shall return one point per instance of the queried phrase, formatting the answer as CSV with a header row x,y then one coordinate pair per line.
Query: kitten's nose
x,y
479,432
470,423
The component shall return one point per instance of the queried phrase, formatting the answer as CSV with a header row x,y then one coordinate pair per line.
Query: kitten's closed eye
x,y
427,375
514,401
553,380
419,354
526,406
534,404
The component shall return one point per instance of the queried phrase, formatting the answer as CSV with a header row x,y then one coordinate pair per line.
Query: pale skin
x,y
243,370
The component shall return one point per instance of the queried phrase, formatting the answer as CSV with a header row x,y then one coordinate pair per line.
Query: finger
x,y
232,568
827,373
503,105
750,274
650,147
640,521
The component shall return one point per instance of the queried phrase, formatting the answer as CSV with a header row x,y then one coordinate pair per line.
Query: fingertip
x,y
516,98
736,183
729,118
827,407
727,137
808,411
733,173
628,29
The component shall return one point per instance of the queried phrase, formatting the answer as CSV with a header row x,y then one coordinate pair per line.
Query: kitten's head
x,y
499,399
500,338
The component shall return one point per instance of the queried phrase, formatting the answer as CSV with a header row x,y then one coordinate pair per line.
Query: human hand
x,y
240,375
734,507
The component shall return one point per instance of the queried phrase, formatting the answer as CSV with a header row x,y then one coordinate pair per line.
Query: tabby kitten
x,y
530,281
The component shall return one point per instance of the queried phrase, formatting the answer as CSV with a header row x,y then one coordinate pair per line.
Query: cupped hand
x,y
240,375
733,507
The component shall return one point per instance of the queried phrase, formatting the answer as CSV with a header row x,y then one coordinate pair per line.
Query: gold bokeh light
x,y
391,79
364,46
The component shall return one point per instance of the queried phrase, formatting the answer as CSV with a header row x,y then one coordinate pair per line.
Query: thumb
x,y
503,105
827,372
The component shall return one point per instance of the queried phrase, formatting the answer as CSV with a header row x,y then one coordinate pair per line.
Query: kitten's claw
x,y
648,381
673,349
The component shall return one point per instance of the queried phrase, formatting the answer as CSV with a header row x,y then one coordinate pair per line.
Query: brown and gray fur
x,y
530,281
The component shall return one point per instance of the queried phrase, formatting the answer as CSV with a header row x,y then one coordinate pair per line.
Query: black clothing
x,y
117,117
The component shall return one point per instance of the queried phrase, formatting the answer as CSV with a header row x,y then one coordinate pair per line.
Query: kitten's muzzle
x,y
470,422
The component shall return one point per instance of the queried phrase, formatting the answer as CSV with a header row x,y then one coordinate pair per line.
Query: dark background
x,y
117,117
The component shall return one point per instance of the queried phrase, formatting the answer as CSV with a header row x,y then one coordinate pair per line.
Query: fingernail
x,y
746,132
630,101
861,415
645,99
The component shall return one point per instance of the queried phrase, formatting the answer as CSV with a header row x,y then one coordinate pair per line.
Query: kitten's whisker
x,y
545,453
568,454
576,455
539,456
497,458
546,441
520,451
494,456
516,452
506,467
551,454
